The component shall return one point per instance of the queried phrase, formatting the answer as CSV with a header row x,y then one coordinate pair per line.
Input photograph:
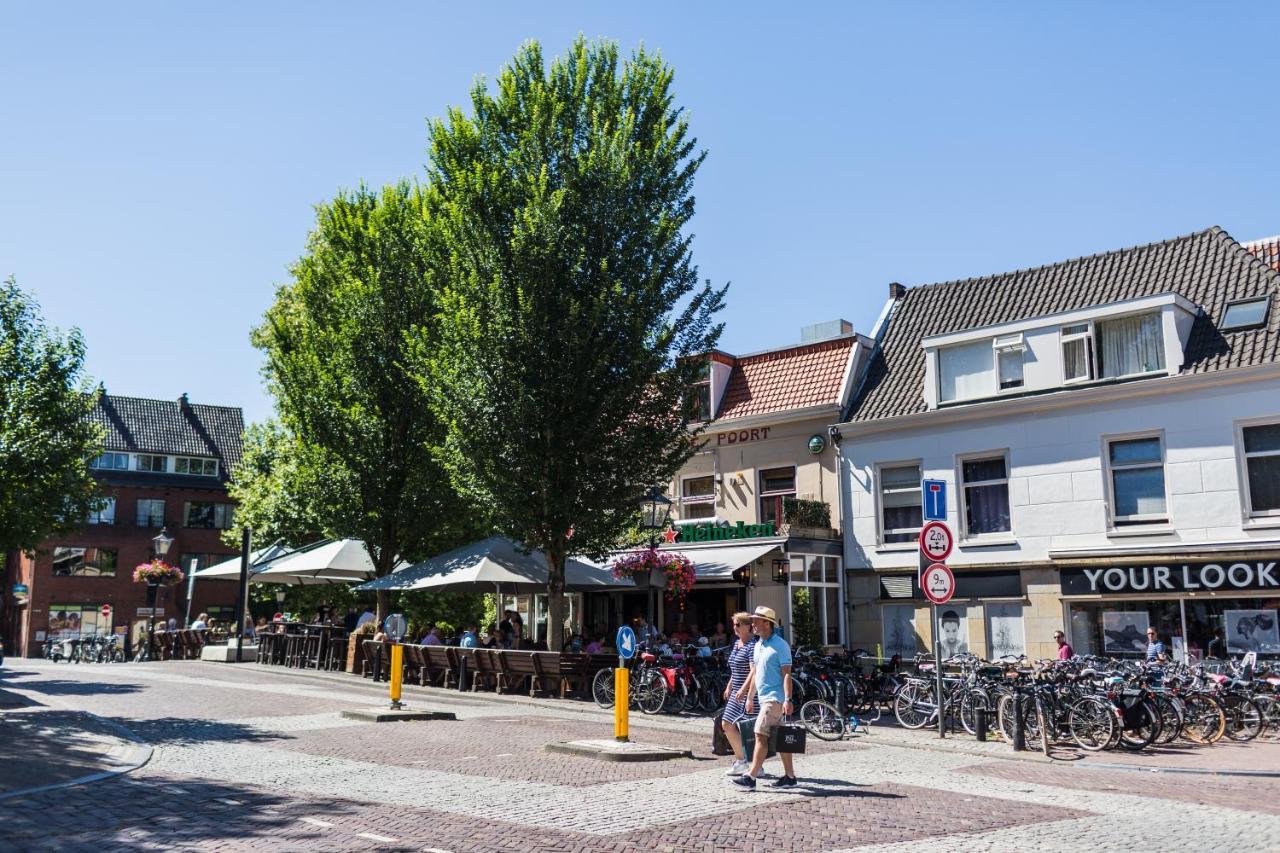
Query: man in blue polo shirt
x,y
770,677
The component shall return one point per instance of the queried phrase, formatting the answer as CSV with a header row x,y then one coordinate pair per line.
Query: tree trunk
x,y
384,605
555,601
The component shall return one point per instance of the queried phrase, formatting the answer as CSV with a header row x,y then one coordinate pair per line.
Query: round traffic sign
x,y
395,627
626,642
936,541
938,583
106,610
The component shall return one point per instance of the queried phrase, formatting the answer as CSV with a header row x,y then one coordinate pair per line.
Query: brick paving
x,y
248,759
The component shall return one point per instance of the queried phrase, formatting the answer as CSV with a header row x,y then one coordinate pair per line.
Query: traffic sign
x,y
395,627
939,584
106,611
626,642
934,495
936,541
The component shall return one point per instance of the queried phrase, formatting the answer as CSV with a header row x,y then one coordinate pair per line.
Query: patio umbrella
x,y
230,569
495,563
329,561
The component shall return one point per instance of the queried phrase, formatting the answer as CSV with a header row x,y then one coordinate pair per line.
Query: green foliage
x,y
449,609
360,441
46,437
805,513
571,312
804,619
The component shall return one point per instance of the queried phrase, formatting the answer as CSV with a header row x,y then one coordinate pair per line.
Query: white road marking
x,y
231,802
315,822
504,754
372,837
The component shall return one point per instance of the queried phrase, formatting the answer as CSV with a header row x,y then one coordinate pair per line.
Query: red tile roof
x,y
786,379
1267,249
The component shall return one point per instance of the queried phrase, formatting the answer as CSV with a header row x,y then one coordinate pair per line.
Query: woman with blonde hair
x,y
738,703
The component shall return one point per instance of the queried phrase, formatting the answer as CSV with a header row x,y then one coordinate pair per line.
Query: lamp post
x,y
160,547
656,514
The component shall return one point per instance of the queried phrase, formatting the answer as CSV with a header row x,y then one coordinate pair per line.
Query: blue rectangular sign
x,y
933,494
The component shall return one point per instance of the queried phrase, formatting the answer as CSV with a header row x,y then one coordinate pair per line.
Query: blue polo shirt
x,y
1154,648
769,657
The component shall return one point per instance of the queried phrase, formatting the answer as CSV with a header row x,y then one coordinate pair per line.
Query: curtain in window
x,y
966,371
987,509
1131,345
1075,358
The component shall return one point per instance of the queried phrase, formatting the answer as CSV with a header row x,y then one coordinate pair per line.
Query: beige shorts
x,y
769,718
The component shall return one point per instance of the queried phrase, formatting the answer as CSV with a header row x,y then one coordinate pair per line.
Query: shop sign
x,y
716,533
742,436
1172,577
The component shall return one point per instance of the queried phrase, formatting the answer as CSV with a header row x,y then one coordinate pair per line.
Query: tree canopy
x,y
570,308
359,440
46,435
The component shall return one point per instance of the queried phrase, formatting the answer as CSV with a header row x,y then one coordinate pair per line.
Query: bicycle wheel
x,y
822,719
1244,718
602,688
1141,725
1270,714
914,705
1206,721
1091,722
970,702
1043,724
652,693
1171,718
682,699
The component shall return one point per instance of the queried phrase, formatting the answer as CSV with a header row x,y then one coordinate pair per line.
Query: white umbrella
x,y
493,563
330,561
230,569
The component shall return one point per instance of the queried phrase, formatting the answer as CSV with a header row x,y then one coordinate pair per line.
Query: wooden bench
x,y
440,666
576,673
485,669
517,668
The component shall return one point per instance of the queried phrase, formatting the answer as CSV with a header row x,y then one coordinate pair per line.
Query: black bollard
x,y
980,724
1019,725
377,662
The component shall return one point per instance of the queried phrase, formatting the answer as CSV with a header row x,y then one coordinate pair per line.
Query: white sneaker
x,y
738,768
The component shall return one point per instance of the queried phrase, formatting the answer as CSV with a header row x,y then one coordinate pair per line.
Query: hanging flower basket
x,y
677,570
157,572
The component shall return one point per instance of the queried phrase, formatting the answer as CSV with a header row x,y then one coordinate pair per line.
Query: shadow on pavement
x,y
47,747
76,688
193,730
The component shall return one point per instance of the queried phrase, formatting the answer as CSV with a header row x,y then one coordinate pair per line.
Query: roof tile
x,y
782,380
173,427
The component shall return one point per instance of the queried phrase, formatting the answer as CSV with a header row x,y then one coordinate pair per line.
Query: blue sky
x,y
159,161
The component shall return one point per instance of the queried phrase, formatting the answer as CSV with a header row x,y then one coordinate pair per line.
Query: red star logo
x,y
671,535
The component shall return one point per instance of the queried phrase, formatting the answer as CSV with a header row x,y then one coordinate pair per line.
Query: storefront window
x,y
1247,625
1005,635
77,620
815,585
1119,628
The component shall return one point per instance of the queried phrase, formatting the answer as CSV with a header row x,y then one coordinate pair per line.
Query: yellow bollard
x,y
397,674
621,702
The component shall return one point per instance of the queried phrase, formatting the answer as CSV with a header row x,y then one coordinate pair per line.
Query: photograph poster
x,y
899,630
1124,632
1251,631
954,632
1004,629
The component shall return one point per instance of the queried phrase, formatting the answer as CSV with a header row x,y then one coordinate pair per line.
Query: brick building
x,y
165,466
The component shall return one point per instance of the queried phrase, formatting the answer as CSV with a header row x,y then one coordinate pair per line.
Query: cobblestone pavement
x,y
247,758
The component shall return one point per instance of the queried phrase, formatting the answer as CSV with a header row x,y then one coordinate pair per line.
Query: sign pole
x,y
626,643
937,656
397,674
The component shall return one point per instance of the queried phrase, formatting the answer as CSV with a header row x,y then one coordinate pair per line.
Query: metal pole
x,y
1019,722
191,591
397,673
151,619
242,593
937,665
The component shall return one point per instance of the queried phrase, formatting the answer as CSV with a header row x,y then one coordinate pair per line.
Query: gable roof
x,y
1268,249
172,427
1209,268
797,377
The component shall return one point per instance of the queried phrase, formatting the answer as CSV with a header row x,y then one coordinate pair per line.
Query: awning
x,y
719,563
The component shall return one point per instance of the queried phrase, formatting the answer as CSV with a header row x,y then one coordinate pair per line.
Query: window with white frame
x,y
1010,350
110,461
104,514
698,497
150,512
153,463
197,467
1136,474
1261,445
965,371
208,515
985,486
1114,348
776,484
901,513
815,585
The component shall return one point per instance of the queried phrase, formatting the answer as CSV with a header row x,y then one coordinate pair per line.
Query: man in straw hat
x,y
770,677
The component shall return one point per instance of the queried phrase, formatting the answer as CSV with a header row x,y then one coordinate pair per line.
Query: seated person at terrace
x,y
432,637
468,638
202,622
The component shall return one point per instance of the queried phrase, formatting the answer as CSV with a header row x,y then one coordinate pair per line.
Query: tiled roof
x,y
173,427
786,379
1268,249
1208,268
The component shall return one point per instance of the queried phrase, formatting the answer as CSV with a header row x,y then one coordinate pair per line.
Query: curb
x,y
130,755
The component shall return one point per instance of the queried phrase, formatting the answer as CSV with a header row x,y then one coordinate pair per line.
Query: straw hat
x,y
763,612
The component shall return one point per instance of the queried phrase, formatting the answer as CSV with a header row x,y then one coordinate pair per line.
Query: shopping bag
x,y
790,737
747,730
719,743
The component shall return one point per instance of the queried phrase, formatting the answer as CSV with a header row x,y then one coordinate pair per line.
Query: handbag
x,y
790,737
719,742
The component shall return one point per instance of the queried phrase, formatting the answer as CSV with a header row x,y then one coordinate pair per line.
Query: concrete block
x,y
613,750
227,653
387,715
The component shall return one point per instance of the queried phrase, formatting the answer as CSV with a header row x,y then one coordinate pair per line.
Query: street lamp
x,y
160,547
781,571
655,514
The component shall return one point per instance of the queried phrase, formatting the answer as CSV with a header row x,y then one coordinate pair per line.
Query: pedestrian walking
x,y
738,703
770,677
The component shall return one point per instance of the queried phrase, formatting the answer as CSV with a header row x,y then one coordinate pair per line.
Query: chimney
x,y
183,403
896,291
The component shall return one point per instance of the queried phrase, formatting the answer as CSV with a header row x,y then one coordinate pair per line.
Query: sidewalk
x,y
40,749
1258,758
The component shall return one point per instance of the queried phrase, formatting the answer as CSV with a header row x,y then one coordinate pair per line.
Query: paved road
x,y
246,758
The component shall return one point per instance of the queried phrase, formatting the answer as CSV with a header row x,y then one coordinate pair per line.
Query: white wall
x,y
1057,487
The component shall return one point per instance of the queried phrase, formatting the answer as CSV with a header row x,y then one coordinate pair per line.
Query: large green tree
x,y
46,435
335,341
571,308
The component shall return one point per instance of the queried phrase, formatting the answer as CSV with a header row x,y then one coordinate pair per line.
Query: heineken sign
x,y
716,533
1172,577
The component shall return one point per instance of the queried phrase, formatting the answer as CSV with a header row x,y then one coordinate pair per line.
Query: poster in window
x,y
1252,631
1124,632
954,635
1004,629
899,630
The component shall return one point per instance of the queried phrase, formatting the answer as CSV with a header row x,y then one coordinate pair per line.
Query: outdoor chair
x,y
575,674
484,670
415,664
440,666
517,668
336,654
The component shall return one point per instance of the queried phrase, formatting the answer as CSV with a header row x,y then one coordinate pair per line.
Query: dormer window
x,y
1009,351
1077,353
702,393
1111,349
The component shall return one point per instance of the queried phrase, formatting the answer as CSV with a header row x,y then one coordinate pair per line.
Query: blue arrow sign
x,y
626,642
934,495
